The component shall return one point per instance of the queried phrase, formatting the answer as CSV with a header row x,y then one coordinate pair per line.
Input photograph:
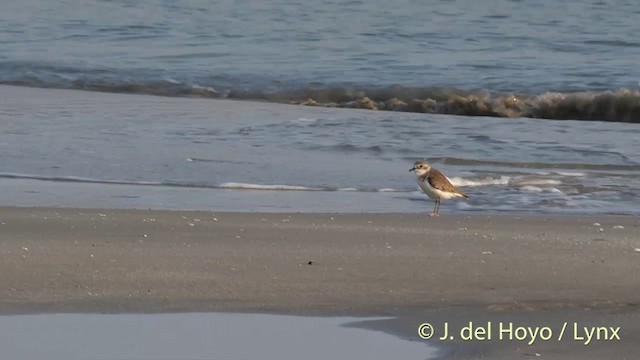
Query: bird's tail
x,y
463,195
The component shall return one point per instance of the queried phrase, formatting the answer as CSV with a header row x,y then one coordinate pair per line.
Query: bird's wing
x,y
437,180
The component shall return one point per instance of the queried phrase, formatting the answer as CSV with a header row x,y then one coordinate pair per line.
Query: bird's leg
x,y
436,209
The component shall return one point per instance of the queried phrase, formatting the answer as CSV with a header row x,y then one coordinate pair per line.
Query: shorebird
x,y
435,185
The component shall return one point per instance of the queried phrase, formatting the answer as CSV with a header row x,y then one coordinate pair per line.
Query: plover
x,y
435,185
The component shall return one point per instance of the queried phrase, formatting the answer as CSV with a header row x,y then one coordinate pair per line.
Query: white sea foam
x,y
246,186
534,182
532,188
463,205
76,179
537,189
171,80
307,120
205,88
458,181
566,173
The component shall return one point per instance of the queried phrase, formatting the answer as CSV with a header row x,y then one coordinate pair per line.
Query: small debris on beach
x,y
618,227
637,250
596,224
487,253
310,262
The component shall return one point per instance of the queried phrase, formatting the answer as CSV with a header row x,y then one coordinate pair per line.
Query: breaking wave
x,y
245,186
621,105
457,181
226,185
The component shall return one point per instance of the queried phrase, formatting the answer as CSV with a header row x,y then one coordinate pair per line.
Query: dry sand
x,y
533,270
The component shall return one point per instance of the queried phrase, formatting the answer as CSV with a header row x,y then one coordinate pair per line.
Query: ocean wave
x,y
537,189
533,182
457,181
532,165
246,186
78,179
620,105
226,185
570,174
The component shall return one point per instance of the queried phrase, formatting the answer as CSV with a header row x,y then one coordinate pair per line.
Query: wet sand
x,y
533,270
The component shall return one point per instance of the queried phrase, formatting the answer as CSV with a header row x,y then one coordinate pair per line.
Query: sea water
x,y
199,336
469,84
89,149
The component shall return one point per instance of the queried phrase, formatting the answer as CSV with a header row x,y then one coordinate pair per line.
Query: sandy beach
x,y
535,270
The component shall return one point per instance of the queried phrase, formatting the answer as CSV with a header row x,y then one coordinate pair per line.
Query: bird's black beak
x,y
412,169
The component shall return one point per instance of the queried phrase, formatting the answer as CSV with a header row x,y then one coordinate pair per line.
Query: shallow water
x,y
84,149
535,53
198,336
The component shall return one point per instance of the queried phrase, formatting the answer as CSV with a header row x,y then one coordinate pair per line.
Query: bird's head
x,y
420,167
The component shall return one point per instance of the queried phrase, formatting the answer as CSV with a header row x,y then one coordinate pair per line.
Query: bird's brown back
x,y
437,180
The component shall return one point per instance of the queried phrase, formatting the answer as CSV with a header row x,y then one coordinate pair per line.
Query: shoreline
x,y
537,270
184,153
